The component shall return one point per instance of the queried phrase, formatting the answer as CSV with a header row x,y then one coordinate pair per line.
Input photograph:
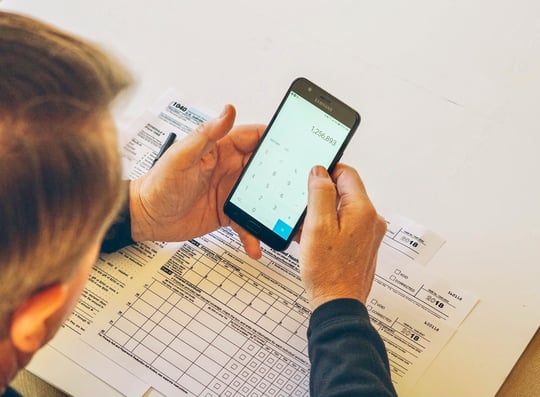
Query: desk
x,y
448,92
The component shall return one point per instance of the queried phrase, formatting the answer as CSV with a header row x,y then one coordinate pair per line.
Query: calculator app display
x,y
273,189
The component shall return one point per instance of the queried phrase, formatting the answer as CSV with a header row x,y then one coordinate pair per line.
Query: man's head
x,y
59,172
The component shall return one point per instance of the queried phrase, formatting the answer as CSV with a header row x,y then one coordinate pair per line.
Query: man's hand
x,y
182,196
340,237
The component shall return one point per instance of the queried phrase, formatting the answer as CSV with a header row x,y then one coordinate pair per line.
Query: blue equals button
x,y
282,229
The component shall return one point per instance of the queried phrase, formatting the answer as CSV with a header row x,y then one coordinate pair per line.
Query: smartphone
x,y
310,127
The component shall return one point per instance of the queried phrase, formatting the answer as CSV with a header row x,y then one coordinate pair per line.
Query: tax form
x,y
200,318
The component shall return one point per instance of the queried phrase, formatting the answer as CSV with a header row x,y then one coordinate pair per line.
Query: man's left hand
x,y
182,196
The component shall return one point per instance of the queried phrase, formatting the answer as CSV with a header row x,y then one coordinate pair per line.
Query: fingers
x,y
217,127
381,224
251,244
323,208
201,140
246,137
349,185
322,202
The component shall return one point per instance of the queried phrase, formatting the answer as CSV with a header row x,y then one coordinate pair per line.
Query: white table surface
x,y
448,92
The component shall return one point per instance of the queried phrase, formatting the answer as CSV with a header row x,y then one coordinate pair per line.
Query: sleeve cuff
x,y
337,308
119,233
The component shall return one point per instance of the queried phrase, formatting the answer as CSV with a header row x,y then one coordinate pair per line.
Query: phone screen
x,y
273,188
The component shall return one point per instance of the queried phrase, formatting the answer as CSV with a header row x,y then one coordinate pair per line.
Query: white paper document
x,y
411,239
415,313
201,318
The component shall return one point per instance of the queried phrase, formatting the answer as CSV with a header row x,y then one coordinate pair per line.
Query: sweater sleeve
x,y
347,355
119,233
9,392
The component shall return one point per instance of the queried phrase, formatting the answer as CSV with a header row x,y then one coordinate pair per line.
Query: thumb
x,y
202,139
350,188
322,200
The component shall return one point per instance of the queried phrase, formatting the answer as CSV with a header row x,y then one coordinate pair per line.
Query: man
x,y
60,190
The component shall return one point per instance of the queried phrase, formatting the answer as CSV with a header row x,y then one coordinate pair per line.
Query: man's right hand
x,y
340,237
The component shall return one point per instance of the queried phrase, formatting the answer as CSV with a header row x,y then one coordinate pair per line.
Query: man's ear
x,y
28,328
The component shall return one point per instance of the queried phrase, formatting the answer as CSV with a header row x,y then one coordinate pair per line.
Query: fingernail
x,y
319,170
